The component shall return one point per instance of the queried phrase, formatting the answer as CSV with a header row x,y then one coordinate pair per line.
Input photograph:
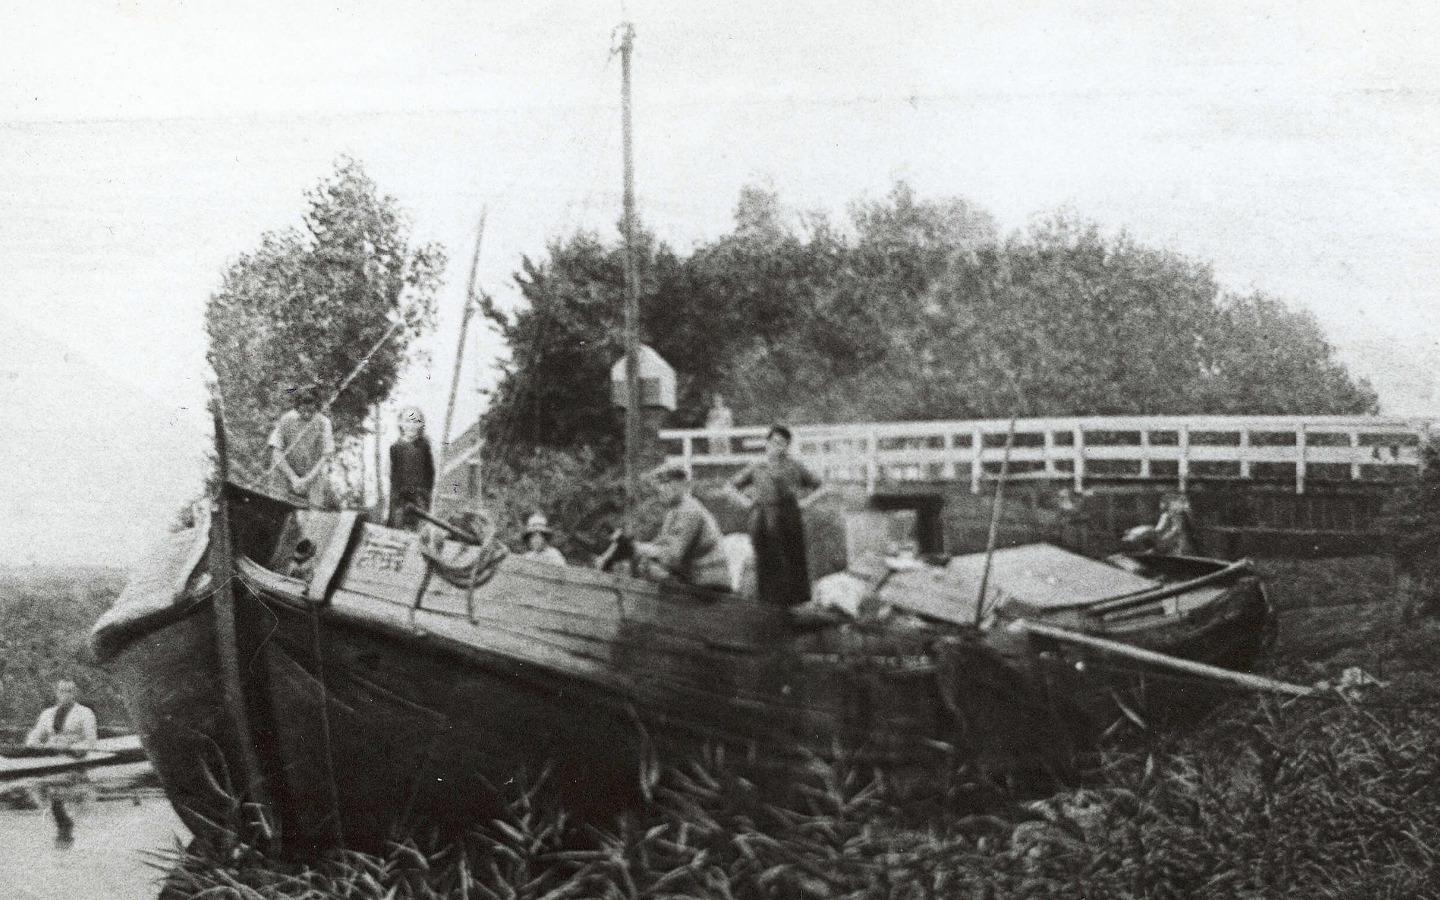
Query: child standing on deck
x,y
412,470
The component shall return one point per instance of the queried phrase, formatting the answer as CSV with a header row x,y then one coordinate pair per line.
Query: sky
x,y
144,145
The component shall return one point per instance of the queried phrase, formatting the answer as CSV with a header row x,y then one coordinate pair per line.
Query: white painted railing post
x,y
1300,459
1243,453
1050,452
977,465
947,469
872,460
1079,440
1144,453
1355,445
1182,465
687,448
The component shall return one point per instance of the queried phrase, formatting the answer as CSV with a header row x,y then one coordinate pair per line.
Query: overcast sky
x,y
143,145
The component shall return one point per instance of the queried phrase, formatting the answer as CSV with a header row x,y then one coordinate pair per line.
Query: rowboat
x,y
25,762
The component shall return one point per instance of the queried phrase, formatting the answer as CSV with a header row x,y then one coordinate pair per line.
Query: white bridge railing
x,y
1176,449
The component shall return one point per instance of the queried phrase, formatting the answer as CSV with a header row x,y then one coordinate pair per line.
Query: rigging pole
x,y
632,293
459,357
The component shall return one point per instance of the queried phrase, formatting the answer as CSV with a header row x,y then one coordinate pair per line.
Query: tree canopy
x,y
911,309
309,303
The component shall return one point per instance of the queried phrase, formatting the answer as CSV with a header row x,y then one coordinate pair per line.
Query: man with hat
x,y
688,546
537,539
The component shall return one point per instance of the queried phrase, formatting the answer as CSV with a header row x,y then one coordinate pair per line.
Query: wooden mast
x,y
632,292
459,357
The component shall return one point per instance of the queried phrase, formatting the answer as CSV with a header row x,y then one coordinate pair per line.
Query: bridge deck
x,y
1178,449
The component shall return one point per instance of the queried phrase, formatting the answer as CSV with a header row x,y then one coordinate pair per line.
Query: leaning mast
x,y
632,292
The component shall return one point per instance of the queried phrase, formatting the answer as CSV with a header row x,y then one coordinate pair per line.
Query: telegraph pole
x,y
632,293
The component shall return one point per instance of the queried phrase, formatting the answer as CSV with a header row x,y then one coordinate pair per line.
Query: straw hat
x,y
537,524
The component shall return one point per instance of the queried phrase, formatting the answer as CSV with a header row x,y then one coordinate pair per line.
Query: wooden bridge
x,y
1303,451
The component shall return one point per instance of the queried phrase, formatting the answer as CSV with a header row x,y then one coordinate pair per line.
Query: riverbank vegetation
x,y
1312,799
1326,798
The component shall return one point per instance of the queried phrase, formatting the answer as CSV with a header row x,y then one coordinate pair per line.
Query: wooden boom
x,y
1189,667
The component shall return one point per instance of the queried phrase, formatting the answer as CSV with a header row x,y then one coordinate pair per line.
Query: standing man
x,y
688,546
776,528
301,449
412,470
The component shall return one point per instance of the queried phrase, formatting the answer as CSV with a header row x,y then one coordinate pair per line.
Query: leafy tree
x,y
915,309
305,307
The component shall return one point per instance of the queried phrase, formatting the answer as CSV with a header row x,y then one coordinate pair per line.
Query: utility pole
x,y
632,293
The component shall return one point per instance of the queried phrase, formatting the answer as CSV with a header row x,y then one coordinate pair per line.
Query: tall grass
x,y
1308,799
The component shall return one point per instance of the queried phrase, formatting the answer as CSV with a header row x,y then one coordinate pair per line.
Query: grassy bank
x,y
1312,800
1304,799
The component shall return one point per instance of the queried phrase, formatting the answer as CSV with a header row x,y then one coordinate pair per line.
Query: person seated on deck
x,y
66,727
301,448
1170,535
688,546
412,471
537,537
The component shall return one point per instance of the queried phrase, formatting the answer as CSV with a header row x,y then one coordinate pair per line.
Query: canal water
x,y
119,818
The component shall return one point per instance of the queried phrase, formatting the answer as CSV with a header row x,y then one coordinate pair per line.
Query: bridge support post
x,y
1244,453
872,461
1182,465
1300,459
1079,433
977,465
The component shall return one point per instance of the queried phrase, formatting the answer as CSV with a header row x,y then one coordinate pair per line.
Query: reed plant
x,y
1319,799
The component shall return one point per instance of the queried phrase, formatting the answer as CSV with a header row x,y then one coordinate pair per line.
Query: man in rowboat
x,y
66,727
688,546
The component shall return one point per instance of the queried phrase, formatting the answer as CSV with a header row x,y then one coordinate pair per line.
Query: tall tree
x,y
914,309
309,303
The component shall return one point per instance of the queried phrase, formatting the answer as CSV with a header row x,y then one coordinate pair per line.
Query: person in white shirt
x,y
537,539
66,727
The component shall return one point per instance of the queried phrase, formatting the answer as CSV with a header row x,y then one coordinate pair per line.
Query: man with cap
x,y
412,470
688,546
537,538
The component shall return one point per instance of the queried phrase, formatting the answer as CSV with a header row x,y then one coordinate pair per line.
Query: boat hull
x,y
382,698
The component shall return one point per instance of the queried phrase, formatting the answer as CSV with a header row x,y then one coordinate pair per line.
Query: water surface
x,y
116,822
